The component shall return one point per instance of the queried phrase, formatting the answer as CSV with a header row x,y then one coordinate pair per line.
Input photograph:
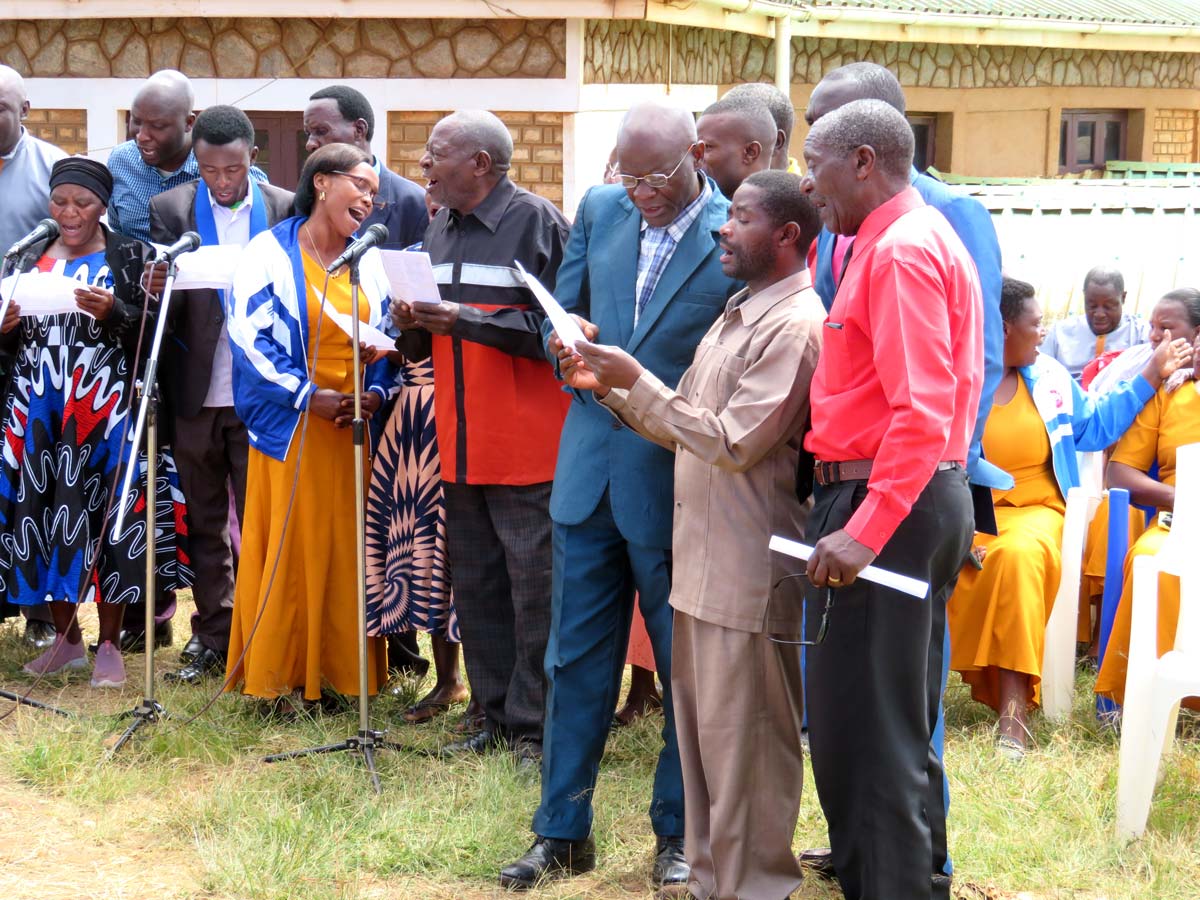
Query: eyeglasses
x,y
363,187
822,628
655,180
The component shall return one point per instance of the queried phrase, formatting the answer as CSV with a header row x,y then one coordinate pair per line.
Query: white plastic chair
x,y
1058,652
1154,686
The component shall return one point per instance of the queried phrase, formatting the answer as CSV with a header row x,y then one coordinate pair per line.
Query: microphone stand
x,y
21,699
367,741
149,710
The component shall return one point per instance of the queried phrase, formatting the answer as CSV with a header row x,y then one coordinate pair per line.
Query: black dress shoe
x,y
481,743
209,662
549,858
670,865
191,650
819,861
39,634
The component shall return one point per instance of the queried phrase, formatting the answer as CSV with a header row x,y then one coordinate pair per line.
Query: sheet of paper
x,y
568,329
368,334
894,580
410,276
42,293
207,267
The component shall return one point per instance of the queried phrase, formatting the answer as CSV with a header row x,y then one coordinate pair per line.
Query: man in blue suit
x,y
642,271
973,225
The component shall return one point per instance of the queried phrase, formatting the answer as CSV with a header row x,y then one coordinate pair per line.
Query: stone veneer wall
x,y
631,52
537,163
1175,135
65,128
287,48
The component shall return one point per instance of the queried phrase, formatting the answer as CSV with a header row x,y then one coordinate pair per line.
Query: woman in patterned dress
x,y
408,576
64,424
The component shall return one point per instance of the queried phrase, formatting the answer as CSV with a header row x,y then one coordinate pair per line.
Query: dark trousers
x,y
874,688
211,451
498,541
596,572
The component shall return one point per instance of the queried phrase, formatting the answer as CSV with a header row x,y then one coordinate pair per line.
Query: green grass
x,y
198,807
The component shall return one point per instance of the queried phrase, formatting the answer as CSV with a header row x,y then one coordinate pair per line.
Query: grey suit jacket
x,y
196,318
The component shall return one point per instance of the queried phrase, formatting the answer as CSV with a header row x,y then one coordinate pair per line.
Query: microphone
x,y
376,234
47,229
187,242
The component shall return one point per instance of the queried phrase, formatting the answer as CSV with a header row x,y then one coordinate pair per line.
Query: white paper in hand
x,y
410,276
368,334
565,326
210,266
42,293
893,580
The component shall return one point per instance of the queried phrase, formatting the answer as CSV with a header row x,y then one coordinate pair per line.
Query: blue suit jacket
x,y
404,215
973,224
596,281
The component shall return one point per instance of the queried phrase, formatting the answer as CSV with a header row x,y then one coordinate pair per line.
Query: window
x,y
924,129
1088,138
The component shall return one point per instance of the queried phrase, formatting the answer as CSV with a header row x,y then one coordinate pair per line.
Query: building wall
x,y
287,48
65,128
1175,135
537,163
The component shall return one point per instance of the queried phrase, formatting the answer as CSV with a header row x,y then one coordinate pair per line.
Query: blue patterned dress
x,y
64,421
408,578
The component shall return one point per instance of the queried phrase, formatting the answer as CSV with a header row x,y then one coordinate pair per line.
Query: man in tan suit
x,y
736,423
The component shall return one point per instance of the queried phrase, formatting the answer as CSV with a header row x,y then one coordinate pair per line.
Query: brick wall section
x,y
1175,137
65,128
537,163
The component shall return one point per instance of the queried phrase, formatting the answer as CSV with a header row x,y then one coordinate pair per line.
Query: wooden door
x,y
280,139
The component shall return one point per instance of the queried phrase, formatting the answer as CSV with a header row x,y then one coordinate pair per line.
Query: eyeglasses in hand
x,y
822,629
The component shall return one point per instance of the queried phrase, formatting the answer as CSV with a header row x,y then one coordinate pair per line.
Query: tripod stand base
x,y
36,704
146,713
365,742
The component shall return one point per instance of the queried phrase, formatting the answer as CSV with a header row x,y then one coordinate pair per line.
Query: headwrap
x,y
84,172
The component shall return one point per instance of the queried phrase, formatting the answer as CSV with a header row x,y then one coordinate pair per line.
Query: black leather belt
x,y
825,473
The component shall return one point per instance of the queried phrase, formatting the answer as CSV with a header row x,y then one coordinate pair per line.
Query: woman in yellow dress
x,y
295,618
1040,417
1169,421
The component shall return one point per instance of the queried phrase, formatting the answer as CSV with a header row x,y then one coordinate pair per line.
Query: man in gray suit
x,y
225,207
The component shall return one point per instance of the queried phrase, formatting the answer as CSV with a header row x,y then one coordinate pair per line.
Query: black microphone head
x,y
377,232
49,226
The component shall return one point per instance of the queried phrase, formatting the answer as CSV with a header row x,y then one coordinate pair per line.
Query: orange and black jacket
x,y
497,404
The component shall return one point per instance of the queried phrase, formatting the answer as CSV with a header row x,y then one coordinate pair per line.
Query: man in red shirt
x,y
894,399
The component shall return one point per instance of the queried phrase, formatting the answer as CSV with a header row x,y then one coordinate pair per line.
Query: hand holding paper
x,y
410,276
42,293
894,580
564,325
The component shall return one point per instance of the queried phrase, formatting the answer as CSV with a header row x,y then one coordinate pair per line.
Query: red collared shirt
x,y
901,364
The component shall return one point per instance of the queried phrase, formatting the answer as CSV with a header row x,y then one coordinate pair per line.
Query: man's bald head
x,y
659,138
466,157
739,140
14,106
855,81
160,119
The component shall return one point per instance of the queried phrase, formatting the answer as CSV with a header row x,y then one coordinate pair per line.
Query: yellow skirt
x,y
308,636
997,617
1110,682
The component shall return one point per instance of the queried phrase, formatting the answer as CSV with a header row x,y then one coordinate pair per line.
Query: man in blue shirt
x,y
160,155
973,225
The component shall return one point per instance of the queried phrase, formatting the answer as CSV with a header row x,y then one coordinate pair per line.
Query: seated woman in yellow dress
x,y
293,383
1040,417
1169,421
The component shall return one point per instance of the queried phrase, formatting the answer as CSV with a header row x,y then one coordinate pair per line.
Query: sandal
x,y
425,711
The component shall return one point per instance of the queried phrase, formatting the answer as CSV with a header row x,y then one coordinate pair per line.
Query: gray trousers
x,y
211,451
498,541
738,711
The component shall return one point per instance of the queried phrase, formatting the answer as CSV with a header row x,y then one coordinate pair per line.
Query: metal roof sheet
x,y
1141,12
